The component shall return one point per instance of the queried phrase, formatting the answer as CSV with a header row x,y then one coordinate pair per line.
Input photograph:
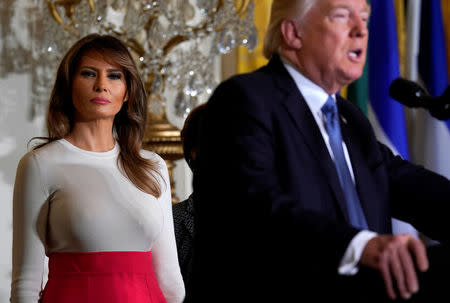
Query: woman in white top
x,y
89,197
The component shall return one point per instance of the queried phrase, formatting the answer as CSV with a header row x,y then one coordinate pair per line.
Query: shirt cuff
x,y
349,262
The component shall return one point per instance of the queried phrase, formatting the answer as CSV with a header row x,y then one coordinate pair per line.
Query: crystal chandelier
x,y
175,43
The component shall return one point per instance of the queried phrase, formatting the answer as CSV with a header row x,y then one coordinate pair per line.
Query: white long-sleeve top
x,y
67,199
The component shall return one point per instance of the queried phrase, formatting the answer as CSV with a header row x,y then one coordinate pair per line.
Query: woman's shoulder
x,y
152,156
161,165
38,159
47,151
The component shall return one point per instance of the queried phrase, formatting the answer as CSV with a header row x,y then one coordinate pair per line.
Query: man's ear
x,y
290,33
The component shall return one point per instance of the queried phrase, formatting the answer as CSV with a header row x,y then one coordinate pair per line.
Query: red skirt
x,y
110,277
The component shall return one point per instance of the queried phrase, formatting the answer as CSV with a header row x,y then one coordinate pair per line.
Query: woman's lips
x,y
100,100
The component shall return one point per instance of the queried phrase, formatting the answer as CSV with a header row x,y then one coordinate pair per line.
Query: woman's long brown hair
x,y
129,123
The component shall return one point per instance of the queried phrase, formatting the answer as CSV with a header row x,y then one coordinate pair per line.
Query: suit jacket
x,y
278,227
183,218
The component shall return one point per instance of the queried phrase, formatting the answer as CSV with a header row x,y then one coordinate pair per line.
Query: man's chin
x,y
351,77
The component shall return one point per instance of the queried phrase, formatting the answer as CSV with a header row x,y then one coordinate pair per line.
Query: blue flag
x,y
433,73
383,69
433,53
388,116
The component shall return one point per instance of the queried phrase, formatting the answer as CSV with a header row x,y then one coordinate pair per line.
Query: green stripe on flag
x,y
358,91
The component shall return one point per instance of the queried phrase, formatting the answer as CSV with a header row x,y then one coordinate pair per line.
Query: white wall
x,y
16,128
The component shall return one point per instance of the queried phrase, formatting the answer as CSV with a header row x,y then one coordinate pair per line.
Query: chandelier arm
x,y
220,3
174,42
91,5
242,9
136,47
52,8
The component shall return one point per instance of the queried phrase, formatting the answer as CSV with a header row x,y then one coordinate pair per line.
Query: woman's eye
x,y
87,73
115,76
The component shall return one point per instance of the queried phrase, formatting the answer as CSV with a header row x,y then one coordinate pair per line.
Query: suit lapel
x,y
299,112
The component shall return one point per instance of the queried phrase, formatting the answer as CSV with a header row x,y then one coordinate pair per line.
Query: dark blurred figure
x,y
183,212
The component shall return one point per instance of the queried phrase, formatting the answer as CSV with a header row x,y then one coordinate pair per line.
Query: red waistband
x,y
100,262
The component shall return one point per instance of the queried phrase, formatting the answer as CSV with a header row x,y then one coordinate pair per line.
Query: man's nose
x,y
359,28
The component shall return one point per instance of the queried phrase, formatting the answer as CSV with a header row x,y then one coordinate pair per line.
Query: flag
x,y
384,67
371,91
434,74
358,91
446,15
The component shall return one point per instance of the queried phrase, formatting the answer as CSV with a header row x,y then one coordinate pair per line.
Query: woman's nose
x,y
100,84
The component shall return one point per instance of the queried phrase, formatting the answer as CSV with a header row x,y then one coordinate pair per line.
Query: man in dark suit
x,y
303,192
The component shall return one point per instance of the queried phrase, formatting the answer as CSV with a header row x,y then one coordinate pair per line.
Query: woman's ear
x,y
291,35
125,98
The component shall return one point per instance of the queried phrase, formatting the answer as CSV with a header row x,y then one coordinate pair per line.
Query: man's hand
x,y
394,257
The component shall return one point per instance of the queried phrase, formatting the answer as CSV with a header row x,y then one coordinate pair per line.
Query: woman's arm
x,y
28,249
164,250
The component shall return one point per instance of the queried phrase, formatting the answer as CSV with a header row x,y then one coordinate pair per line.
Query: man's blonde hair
x,y
281,10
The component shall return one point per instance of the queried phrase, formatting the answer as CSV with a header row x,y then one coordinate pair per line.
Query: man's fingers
x,y
386,274
420,253
393,257
411,282
398,273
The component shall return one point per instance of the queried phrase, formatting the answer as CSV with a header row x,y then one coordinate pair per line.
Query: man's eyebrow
x,y
368,10
348,7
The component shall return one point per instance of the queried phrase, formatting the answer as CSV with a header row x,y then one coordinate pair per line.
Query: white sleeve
x,y
28,250
164,250
349,262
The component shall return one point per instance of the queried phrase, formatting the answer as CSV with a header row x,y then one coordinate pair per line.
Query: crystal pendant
x,y
118,4
182,104
226,41
206,6
156,104
159,34
188,11
252,40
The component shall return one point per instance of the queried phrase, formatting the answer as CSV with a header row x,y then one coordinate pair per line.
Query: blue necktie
x,y
355,212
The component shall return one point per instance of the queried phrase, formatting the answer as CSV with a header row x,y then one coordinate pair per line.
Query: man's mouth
x,y
355,53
